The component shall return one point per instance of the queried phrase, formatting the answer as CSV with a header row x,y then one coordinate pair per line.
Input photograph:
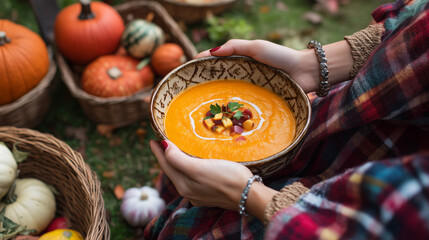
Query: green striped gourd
x,y
141,38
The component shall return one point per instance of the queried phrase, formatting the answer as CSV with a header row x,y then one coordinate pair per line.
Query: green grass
x,y
128,155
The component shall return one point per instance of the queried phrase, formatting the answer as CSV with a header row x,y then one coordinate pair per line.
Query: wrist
x,y
339,61
310,67
258,198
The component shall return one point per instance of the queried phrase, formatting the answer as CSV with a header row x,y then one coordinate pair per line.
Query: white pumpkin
x,y
140,205
31,204
8,169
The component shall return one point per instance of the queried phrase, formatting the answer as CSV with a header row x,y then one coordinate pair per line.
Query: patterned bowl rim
x,y
298,139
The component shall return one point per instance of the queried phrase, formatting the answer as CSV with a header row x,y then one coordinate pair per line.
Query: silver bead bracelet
x,y
324,86
242,204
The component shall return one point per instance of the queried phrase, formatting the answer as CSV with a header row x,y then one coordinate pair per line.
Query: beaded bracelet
x,y
242,204
324,86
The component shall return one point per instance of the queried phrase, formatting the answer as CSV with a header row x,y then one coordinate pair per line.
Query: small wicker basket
x,y
79,197
189,12
29,110
123,111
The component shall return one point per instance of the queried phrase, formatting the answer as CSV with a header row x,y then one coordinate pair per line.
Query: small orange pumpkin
x,y
166,58
116,76
24,60
87,30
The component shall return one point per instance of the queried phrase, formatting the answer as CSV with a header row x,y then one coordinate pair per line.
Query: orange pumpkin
x,y
87,30
166,58
24,60
116,76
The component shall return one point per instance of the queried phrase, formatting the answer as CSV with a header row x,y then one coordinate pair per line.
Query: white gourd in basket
x,y
8,169
30,203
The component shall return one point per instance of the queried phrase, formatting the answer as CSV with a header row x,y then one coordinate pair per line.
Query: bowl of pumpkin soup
x,y
233,108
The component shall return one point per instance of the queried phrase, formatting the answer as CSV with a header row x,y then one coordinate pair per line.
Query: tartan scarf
x,y
365,146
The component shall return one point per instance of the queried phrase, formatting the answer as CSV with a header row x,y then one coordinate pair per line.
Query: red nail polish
x,y
164,144
214,49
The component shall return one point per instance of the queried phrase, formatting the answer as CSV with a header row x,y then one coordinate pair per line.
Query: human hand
x,y
302,66
205,182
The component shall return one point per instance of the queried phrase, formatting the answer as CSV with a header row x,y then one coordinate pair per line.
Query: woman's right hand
x,y
302,66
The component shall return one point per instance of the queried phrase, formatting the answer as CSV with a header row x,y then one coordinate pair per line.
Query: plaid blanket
x,y
366,155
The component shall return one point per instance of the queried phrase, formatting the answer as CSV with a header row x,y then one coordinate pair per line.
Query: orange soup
x,y
270,125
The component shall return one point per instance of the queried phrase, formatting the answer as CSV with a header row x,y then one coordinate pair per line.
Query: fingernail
x,y
214,49
164,144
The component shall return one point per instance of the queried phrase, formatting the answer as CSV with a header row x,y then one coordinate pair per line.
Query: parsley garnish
x,y
232,107
238,115
215,109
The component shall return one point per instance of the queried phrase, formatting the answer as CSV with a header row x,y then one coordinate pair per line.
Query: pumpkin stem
x,y
11,196
3,38
144,196
143,63
114,72
86,12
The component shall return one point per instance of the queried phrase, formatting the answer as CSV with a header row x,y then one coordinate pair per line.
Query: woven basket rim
x,y
50,145
33,93
203,4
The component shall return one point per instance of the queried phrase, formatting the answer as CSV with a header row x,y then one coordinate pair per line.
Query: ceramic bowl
x,y
240,68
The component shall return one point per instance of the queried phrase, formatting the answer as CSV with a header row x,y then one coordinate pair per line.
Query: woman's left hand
x,y
205,182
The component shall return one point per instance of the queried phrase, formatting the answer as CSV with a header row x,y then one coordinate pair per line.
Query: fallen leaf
x,y
105,130
109,174
248,3
264,9
282,6
78,133
330,6
119,191
96,151
115,141
141,133
313,18
274,36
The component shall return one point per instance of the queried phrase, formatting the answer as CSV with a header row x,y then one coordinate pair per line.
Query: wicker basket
x,y
79,197
193,12
29,110
123,111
